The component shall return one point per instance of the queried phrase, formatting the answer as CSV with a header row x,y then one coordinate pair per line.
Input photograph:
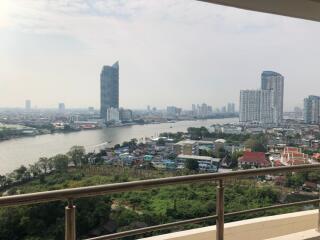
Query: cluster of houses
x,y
170,155
167,156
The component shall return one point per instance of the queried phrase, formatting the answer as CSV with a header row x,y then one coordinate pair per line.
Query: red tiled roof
x,y
291,149
297,162
258,158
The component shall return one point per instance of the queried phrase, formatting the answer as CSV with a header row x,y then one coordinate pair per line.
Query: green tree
x,y
35,169
20,174
77,155
256,143
192,165
60,162
44,164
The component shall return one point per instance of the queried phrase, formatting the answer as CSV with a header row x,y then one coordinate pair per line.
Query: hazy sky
x,y
171,52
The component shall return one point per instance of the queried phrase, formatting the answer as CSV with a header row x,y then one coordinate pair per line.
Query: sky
x,y
171,52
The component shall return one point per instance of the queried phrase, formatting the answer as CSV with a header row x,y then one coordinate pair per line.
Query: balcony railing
x,y
74,193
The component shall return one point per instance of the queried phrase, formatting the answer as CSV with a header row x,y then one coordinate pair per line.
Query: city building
x,y
109,89
28,104
266,109
298,113
173,112
112,115
250,105
265,105
125,115
61,107
311,110
274,81
186,147
231,108
202,110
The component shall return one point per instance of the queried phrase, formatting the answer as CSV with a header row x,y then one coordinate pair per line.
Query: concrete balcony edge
x,y
253,229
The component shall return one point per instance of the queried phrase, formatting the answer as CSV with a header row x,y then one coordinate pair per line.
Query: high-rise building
x,y
250,105
125,115
112,115
109,88
61,107
274,81
194,109
173,111
311,110
256,106
266,109
231,108
28,104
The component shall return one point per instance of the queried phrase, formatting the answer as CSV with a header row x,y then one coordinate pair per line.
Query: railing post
x,y
318,210
70,221
220,211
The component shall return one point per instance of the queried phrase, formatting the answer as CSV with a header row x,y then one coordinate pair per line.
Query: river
x,y
16,152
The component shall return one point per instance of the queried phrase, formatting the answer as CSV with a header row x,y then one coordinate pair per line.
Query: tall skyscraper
x,y
28,104
311,110
109,88
250,105
274,81
61,107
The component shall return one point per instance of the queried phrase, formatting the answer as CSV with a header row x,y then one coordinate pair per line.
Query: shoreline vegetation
x,y
9,133
131,210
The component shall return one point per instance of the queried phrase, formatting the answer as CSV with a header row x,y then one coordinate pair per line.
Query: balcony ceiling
x,y
305,9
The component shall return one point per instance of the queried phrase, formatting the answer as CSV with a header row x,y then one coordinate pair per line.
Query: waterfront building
x,y
194,109
112,115
125,115
61,107
109,89
274,81
28,104
231,108
311,110
173,111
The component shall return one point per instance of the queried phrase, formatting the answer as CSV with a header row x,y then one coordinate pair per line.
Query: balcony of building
x,y
296,225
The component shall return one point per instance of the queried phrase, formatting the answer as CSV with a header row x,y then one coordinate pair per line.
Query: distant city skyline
x,y
172,52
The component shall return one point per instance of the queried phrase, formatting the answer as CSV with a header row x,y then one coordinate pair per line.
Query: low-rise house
x,y
253,159
186,147
208,164
316,156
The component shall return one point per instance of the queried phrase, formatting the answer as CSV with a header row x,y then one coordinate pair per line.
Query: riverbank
x,y
25,151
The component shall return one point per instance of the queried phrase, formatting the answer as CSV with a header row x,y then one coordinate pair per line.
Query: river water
x,y
16,152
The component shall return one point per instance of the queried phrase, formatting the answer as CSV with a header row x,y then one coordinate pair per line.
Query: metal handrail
x,y
75,193
199,220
